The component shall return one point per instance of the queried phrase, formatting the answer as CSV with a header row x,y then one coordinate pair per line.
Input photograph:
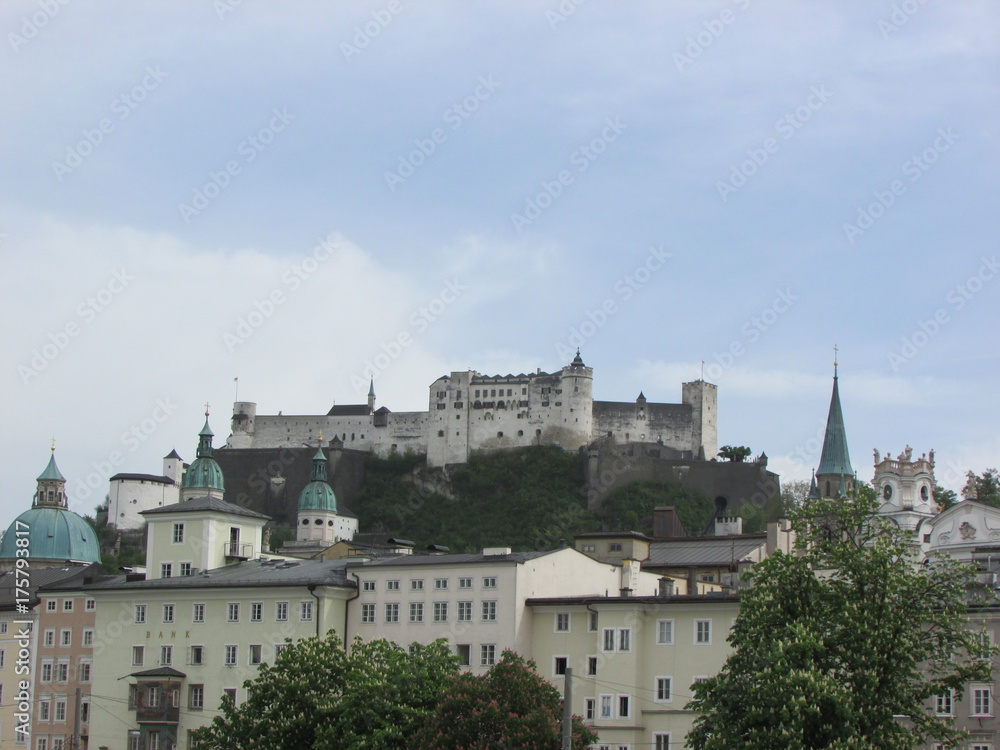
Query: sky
x,y
307,195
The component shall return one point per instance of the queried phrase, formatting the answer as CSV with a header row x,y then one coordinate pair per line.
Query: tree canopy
x,y
983,488
835,641
510,706
318,696
736,453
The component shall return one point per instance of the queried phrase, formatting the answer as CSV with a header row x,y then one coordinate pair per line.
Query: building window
x,y
62,671
233,612
256,654
615,547
562,622
44,710
465,611
368,585
305,611
65,637
592,623
589,708
392,612
60,712
367,613
178,533
417,584
440,584
67,605
661,741
591,666
487,655
186,569
168,613
232,656
392,585
47,671
464,653
281,611
606,703
166,656
489,582
665,631
90,605
196,696
981,702
465,583
166,570
197,655
703,632
559,665
278,648
256,611
624,706
229,693
140,613
50,605
440,611
663,689
416,611
489,611
83,671
137,656
944,703
198,613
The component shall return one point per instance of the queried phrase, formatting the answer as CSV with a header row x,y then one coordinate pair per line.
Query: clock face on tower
x,y
887,492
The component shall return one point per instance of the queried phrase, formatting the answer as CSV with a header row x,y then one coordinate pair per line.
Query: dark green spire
x,y
205,440
835,458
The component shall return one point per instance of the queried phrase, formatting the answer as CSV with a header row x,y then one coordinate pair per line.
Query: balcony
x,y
238,551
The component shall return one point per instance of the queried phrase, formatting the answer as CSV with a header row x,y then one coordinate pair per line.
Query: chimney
x,y
666,586
692,580
629,577
728,525
667,524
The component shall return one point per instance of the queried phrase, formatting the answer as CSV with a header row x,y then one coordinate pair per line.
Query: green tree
x,y
737,453
943,497
318,696
983,488
510,706
835,641
630,507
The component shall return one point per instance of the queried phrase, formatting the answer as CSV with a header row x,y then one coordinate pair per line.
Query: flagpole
x,y
237,381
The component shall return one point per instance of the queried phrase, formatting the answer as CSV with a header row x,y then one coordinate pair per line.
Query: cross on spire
x,y
206,408
53,445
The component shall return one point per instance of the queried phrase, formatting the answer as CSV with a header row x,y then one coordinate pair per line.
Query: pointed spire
x,y
205,438
371,387
813,488
319,463
835,458
577,360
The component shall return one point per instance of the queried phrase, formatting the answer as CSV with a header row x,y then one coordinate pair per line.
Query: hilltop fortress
x,y
469,412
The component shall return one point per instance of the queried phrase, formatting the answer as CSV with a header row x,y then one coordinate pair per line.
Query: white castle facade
x,y
469,412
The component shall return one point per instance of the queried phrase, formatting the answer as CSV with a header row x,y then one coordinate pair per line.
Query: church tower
x,y
319,524
204,476
906,488
834,476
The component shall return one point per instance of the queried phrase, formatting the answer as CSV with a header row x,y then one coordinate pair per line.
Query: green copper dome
x,y
205,471
318,494
54,533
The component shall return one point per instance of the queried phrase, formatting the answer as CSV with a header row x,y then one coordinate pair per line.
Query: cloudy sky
x,y
302,194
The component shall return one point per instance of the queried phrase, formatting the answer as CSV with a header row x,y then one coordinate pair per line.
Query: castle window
x,y
520,433
458,404
538,433
440,433
319,522
440,406
305,521
329,523
477,393
499,434
493,392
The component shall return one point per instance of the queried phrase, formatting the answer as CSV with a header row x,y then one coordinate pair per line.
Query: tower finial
x,y
835,350
206,408
53,445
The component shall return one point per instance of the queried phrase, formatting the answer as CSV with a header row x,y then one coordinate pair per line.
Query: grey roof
x,y
709,550
458,559
144,477
206,503
41,577
159,672
246,574
349,410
